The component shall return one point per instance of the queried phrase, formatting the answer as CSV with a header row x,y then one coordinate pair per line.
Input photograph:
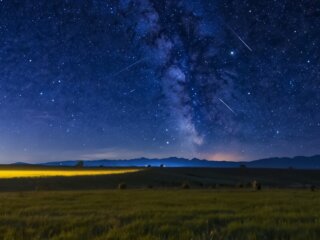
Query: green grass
x,y
90,207
161,214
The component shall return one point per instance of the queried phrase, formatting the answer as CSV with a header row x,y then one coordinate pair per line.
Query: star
x,y
210,78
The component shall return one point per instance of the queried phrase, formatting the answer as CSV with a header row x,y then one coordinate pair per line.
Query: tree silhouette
x,y
80,164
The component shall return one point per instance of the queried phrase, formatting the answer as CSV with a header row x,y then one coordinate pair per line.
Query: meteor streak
x,y
127,68
244,43
227,106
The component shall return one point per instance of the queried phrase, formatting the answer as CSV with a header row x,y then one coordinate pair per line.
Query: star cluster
x,y
225,80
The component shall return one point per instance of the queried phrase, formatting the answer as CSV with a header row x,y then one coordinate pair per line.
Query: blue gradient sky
x,y
224,80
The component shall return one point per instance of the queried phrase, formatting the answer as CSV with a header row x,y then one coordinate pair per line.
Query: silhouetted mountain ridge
x,y
299,162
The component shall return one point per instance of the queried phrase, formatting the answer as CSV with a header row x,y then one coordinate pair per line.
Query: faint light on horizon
x,y
225,157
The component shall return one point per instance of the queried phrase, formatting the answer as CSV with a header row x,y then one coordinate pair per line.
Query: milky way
x,y
233,80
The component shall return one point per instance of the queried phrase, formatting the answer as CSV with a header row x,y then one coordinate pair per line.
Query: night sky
x,y
224,80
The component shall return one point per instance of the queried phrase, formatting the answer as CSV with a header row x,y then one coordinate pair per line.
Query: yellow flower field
x,y
63,172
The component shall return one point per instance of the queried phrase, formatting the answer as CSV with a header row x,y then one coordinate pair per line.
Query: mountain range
x,y
299,162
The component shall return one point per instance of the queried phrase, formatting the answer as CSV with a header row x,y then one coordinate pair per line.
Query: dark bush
x,y
185,185
239,185
312,188
122,186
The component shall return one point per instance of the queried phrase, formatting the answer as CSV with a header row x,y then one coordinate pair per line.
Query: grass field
x,y
220,204
155,177
160,214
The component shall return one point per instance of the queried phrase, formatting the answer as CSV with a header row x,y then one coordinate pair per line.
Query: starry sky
x,y
224,80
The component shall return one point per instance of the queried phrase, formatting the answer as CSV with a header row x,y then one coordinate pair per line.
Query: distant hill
x,y
21,163
152,162
298,162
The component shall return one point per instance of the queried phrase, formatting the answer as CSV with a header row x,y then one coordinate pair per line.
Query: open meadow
x,y
160,203
160,214
22,178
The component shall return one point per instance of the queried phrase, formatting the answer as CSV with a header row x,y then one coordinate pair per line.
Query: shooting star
x,y
131,91
127,68
244,43
227,106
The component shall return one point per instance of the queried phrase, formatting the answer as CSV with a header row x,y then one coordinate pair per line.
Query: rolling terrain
x,y
160,178
159,203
